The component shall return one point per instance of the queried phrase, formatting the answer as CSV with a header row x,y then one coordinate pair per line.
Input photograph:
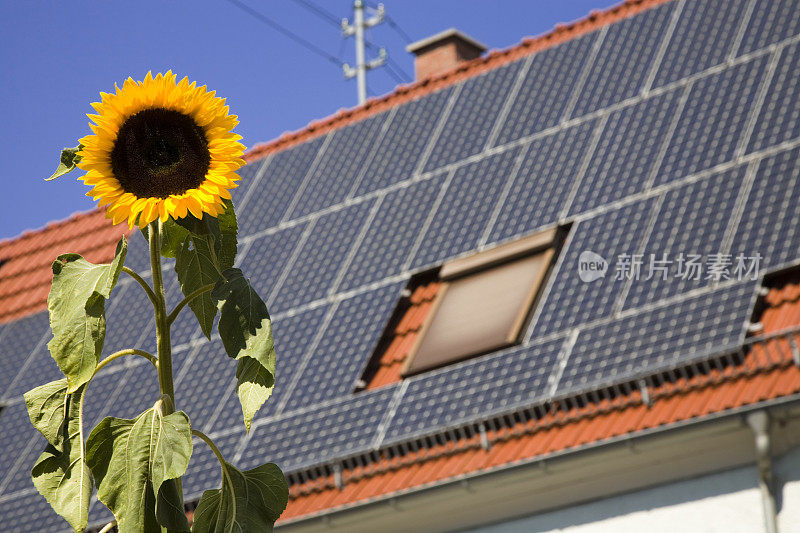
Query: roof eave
x,y
633,461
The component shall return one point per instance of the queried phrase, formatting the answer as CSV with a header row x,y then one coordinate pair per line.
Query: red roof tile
x,y
391,360
25,261
496,58
767,371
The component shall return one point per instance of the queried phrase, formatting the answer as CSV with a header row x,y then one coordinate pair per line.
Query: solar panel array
x,y
674,131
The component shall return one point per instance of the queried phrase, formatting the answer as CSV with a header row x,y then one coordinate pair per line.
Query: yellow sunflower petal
x,y
141,194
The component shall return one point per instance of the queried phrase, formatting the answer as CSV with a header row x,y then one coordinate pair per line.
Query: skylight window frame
x,y
542,245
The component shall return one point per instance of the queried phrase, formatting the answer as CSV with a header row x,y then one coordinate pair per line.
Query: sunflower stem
x,y
140,280
164,343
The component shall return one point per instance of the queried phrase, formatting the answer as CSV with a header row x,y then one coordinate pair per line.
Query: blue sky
x,y
56,57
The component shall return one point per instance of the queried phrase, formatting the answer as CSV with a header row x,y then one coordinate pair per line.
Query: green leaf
x,y
68,162
169,511
247,501
246,332
221,229
61,474
47,408
254,386
132,459
77,312
228,228
196,268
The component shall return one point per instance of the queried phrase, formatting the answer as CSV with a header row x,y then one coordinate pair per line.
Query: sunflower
x,y
160,149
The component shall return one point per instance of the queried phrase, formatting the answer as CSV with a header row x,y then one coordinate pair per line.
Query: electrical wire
x,y
320,12
396,27
395,71
400,75
286,32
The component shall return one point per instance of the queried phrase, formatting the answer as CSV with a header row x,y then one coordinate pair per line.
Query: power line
x,y
288,33
320,12
396,27
393,63
399,75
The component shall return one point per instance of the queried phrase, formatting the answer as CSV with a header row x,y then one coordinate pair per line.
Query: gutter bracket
x,y
484,437
337,475
795,350
645,393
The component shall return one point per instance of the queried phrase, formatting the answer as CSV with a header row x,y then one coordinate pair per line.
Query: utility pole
x,y
357,29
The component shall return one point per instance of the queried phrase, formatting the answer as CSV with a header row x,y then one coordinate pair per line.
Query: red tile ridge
x,y
496,58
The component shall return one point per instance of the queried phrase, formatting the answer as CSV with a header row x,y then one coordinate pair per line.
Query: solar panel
x,y
647,341
21,445
137,392
208,379
40,368
540,188
204,470
540,102
703,38
293,337
138,257
712,120
267,203
770,22
568,301
19,339
689,230
392,233
770,224
345,347
101,390
99,515
627,150
186,328
467,204
266,257
249,175
339,165
621,65
473,116
318,434
474,389
397,155
314,270
19,511
129,320
779,118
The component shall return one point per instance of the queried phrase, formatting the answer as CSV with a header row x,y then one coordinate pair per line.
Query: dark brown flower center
x,y
159,152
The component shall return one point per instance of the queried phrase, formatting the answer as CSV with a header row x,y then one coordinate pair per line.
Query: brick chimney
x,y
442,52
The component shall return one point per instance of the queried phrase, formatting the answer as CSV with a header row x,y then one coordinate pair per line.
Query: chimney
x,y
442,52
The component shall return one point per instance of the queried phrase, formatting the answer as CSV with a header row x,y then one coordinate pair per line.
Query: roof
x,y
769,370
25,260
452,32
605,128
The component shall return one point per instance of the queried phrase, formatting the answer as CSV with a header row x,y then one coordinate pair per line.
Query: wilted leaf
x,y
247,501
67,163
77,312
132,459
254,386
